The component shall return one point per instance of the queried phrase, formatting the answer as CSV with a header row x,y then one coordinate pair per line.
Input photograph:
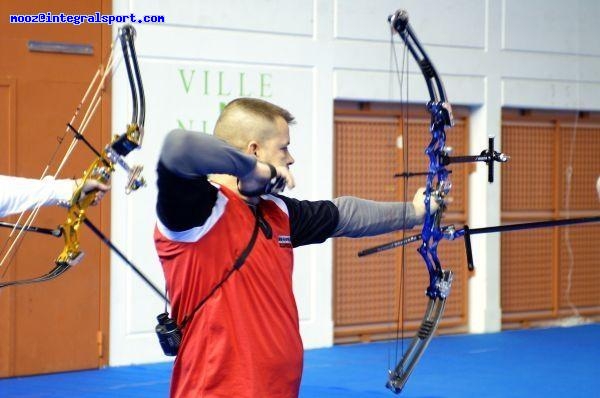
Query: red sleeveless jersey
x,y
245,340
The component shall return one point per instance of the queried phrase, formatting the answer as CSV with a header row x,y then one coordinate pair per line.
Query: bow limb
x,y
433,314
58,270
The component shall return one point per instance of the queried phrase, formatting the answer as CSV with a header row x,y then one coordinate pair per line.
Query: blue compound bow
x,y
437,188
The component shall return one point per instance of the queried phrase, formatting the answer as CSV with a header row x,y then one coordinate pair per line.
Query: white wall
x,y
303,55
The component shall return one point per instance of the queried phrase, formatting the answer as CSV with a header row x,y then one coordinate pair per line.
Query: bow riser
x,y
436,188
100,170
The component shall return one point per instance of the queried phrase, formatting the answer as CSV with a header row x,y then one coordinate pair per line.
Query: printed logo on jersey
x,y
285,241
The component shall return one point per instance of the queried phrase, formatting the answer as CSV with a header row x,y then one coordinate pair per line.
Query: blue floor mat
x,y
554,362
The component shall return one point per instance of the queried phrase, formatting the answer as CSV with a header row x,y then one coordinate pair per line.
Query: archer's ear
x,y
252,148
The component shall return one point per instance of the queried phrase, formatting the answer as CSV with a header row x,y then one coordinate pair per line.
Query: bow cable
x,y
403,121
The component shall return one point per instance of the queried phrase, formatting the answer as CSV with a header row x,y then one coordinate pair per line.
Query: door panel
x,y
51,326
549,275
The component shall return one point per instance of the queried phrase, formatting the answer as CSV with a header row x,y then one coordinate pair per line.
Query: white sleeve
x,y
20,194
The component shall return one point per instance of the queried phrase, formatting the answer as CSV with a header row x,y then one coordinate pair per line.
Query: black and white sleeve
x,y
310,221
185,196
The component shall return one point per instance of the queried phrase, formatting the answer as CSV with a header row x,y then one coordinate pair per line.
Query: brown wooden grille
x,y
584,142
528,179
551,273
527,273
368,153
367,290
582,273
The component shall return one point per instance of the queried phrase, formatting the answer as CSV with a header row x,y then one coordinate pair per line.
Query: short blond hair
x,y
246,119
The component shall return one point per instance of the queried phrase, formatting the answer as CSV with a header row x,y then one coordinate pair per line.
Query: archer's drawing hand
x,y
265,179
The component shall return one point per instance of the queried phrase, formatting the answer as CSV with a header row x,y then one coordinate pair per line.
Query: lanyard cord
x,y
236,266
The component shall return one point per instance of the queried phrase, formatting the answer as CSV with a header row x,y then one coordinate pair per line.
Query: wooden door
x,y
58,325
548,275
